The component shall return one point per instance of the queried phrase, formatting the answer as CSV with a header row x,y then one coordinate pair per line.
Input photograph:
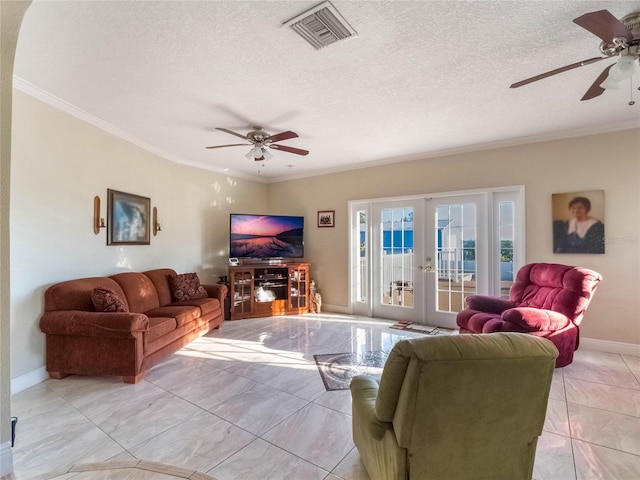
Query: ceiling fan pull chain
x,y
632,102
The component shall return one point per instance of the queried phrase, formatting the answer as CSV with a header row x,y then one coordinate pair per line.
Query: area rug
x,y
419,328
337,369
127,469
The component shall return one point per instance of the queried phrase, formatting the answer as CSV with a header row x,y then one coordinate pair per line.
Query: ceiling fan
x,y
620,38
261,141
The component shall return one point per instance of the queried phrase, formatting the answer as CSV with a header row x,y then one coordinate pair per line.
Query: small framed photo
x,y
127,219
326,218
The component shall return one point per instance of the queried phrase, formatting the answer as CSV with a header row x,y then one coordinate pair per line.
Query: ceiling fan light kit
x,y
259,153
622,70
620,38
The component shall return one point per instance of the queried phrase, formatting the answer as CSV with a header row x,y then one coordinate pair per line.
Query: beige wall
x,y
59,164
609,162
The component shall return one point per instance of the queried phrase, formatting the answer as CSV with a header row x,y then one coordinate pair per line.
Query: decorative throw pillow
x,y
106,300
186,286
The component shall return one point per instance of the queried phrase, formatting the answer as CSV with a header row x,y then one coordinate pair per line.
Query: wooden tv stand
x,y
284,290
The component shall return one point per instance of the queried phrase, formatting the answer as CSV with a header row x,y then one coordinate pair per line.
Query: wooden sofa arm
x,y
93,324
218,291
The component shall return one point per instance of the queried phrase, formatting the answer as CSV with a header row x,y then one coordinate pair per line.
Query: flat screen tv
x,y
262,237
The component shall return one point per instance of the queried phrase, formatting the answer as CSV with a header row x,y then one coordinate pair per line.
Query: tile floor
x,y
246,402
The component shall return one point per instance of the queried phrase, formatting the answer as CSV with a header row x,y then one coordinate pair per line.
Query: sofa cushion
x,y
159,326
160,278
206,305
76,294
182,313
139,290
186,286
106,300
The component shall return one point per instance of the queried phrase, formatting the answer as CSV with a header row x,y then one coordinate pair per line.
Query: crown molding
x,y
479,147
70,109
58,103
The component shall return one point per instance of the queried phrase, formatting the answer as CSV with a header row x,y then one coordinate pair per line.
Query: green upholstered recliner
x,y
455,407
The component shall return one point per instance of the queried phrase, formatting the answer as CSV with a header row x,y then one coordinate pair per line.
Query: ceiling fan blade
x,y
557,71
604,25
297,151
278,137
595,89
232,145
232,133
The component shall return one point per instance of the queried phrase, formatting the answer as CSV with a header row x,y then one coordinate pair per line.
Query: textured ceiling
x,y
422,78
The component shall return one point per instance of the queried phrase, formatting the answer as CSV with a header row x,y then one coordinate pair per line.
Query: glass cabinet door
x,y
242,301
299,281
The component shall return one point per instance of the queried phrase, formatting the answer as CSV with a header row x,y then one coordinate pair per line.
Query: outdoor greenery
x,y
469,250
506,251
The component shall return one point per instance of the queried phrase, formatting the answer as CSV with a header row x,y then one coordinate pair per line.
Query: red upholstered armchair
x,y
546,299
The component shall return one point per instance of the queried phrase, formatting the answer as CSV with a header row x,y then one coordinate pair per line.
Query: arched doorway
x,y
11,15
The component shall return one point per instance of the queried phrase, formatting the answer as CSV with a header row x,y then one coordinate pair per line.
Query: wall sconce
x,y
98,222
156,225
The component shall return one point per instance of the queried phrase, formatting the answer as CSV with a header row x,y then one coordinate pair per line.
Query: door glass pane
x,y
456,235
396,257
362,267
506,229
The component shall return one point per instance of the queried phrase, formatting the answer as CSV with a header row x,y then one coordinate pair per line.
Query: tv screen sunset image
x,y
266,236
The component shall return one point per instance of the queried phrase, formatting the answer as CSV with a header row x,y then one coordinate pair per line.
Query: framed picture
x,y
578,222
127,219
326,218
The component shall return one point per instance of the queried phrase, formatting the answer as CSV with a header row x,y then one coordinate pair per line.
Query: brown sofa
x,y
81,340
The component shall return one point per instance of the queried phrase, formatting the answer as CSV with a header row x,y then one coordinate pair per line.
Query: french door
x,y
397,245
456,262
416,259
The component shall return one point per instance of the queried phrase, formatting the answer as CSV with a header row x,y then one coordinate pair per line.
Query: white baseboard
x,y
29,379
610,347
326,307
6,459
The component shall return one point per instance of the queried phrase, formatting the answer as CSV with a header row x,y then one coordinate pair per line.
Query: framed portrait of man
x,y
578,222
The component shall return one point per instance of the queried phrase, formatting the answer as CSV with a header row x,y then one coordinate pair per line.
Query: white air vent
x,y
321,26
